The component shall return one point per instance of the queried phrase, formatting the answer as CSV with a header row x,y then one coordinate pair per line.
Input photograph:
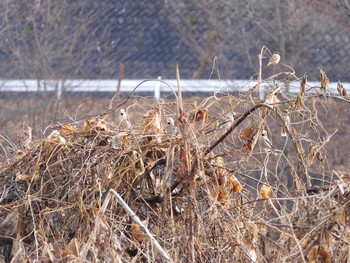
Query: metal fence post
x,y
157,89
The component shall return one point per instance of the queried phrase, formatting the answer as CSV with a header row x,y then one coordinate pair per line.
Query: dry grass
x,y
99,189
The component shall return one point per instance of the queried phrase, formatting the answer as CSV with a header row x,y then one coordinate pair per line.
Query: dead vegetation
x,y
181,182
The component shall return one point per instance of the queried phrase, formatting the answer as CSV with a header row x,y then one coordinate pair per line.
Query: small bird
x,y
275,59
224,123
124,120
272,99
286,127
264,141
170,125
227,121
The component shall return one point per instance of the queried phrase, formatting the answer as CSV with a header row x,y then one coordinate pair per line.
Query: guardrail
x,y
149,86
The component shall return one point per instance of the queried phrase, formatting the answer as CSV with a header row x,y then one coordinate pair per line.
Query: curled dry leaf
x,y
320,156
328,238
265,192
319,254
151,123
222,196
324,80
311,154
26,177
247,136
72,248
68,129
236,185
220,171
251,235
223,176
94,124
303,85
299,103
137,234
341,90
200,115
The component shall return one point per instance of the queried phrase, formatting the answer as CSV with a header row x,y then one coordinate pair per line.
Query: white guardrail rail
x,y
149,86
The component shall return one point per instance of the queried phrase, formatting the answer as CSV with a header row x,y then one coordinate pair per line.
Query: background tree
x,y
238,30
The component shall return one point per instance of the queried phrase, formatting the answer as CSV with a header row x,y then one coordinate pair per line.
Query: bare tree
x,y
55,40
236,30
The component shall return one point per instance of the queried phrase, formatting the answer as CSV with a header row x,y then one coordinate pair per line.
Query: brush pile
x,y
195,182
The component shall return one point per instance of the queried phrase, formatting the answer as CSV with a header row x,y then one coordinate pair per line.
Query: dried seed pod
x,y
324,80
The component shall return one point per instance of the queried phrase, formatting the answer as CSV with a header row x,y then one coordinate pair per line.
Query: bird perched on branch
x,y
224,123
124,120
272,99
171,128
275,59
264,141
286,127
170,125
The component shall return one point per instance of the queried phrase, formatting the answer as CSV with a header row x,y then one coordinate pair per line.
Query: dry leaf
x,y
236,185
341,89
299,103
94,124
251,235
247,135
219,160
311,154
200,115
319,156
220,171
68,129
222,194
151,123
26,177
72,248
303,85
319,254
265,192
324,80
248,132
328,238
137,234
